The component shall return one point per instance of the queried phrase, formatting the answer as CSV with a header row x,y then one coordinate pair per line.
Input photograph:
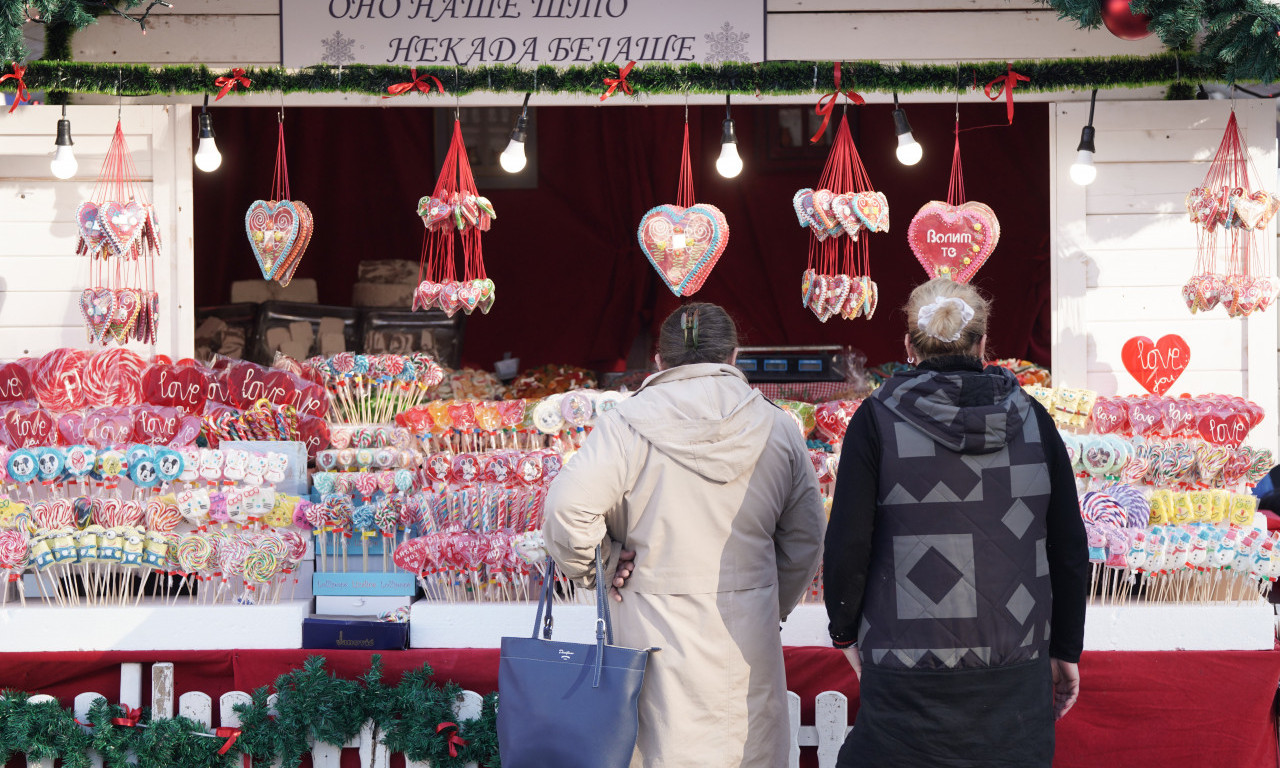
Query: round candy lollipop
x,y
169,464
59,380
22,466
144,474
577,409
547,417
323,482
50,462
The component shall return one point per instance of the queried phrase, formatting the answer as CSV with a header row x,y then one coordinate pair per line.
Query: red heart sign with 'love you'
x,y
953,241
29,427
1222,429
181,387
1156,364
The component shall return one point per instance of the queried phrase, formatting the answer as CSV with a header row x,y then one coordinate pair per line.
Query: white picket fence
x,y
831,715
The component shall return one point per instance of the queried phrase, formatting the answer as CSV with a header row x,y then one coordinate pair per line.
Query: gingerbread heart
x,y
426,295
272,227
872,209
125,315
487,293
842,207
151,232
802,203
97,306
1248,210
837,294
855,302
435,213
872,299
953,241
306,226
807,280
822,209
91,233
470,209
683,244
487,213
449,299
122,224
469,296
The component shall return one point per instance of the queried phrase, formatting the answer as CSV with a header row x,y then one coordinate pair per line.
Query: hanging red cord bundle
x,y
684,241
838,279
454,206
119,233
953,239
1230,204
279,229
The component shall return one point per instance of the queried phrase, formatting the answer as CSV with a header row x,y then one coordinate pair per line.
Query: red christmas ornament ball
x,y
1124,23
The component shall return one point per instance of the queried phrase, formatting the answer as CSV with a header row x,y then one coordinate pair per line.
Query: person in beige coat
x,y
707,489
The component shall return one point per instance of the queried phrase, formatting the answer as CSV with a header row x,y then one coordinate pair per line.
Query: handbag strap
x,y
545,601
602,598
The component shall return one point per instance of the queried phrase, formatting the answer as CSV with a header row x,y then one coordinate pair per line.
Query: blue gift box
x,y
359,633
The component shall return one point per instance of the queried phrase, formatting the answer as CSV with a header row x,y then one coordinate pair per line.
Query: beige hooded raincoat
x,y
711,485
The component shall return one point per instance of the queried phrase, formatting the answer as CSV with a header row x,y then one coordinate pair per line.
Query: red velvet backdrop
x,y
573,286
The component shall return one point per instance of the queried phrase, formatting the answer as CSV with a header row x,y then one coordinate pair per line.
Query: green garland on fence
x,y
312,705
1240,41
769,78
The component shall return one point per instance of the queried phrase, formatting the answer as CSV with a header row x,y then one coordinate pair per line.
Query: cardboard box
x,y
362,633
398,295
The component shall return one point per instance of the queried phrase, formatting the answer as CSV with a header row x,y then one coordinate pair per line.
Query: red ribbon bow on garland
x,y
1006,82
455,740
19,71
130,719
227,83
417,82
827,104
230,734
620,80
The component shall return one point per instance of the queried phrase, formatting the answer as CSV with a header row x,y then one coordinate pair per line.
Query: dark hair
x,y
697,333
947,331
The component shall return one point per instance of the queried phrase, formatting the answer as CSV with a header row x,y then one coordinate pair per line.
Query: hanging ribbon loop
x,y
130,719
454,740
19,72
827,104
1004,84
227,83
230,734
620,80
418,82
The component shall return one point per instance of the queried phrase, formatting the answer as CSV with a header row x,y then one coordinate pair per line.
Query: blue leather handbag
x,y
568,705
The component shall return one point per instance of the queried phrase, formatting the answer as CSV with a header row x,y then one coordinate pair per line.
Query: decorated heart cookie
x,y
272,227
127,307
97,306
842,206
487,294
683,244
953,241
872,209
122,225
802,203
306,226
91,234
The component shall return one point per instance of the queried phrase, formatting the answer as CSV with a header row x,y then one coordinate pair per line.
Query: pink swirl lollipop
x,y
295,545
232,554
366,483
114,377
132,513
13,549
343,363
59,380
315,515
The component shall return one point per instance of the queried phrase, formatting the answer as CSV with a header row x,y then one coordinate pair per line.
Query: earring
x,y
911,359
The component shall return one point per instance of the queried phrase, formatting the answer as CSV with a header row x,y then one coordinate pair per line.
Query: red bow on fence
x,y
620,80
227,83
1006,83
19,71
455,740
130,719
417,82
230,734
827,104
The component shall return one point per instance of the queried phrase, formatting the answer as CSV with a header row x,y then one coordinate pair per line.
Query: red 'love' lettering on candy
x,y
1156,364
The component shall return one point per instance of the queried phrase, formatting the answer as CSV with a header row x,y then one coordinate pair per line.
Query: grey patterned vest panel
x,y
959,575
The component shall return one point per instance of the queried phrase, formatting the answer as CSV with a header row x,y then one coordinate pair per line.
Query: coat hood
x,y
965,411
705,417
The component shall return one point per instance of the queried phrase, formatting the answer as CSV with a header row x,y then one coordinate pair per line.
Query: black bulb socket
x,y
728,135
520,133
64,134
1086,139
900,124
206,125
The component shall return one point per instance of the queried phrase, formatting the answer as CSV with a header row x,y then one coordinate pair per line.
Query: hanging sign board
x,y
564,33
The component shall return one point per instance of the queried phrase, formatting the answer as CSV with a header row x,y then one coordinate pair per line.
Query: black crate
x,y
399,331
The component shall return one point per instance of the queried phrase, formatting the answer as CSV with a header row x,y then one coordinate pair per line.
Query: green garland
x,y
1240,41
771,78
312,705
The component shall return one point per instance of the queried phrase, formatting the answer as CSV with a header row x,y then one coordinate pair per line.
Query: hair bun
x,y
945,318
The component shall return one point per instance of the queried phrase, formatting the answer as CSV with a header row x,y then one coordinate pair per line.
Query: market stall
x,y
312,471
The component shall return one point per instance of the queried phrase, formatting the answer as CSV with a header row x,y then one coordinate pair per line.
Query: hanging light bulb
x,y
729,164
64,164
512,158
208,158
1083,171
909,150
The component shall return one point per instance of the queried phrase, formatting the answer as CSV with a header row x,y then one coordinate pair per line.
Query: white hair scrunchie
x,y
929,310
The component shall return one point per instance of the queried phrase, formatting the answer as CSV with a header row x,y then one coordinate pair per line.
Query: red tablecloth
x,y
1140,709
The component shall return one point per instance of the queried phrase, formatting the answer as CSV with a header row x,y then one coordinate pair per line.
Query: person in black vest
x,y
956,565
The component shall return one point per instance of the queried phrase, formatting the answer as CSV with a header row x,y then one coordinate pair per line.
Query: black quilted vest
x,y
958,577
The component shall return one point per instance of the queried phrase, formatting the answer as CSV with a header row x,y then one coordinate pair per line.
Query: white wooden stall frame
x,y
831,715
